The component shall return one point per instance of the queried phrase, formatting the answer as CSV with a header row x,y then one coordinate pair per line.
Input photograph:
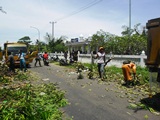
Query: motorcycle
x,y
46,62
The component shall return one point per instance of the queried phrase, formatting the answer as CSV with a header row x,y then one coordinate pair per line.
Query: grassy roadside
x,y
22,99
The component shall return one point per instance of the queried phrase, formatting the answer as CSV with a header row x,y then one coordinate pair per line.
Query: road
x,y
91,99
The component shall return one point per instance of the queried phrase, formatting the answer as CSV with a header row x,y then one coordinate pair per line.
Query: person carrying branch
x,y
100,61
37,59
129,68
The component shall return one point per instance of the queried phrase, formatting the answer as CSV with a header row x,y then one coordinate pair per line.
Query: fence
x,y
116,61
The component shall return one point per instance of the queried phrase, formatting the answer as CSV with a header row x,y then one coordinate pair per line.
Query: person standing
x,y
128,68
65,55
37,59
11,62
21,57
101,61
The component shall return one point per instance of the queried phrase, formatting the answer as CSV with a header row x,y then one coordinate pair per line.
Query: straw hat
x,y
101,48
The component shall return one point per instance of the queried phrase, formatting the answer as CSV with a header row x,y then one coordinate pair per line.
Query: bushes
x,y
22,100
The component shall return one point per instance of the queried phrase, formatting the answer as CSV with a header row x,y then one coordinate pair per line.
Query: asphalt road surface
x,y
91,99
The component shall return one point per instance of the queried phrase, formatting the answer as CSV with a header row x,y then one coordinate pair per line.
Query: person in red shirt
x,y
45,58
45,55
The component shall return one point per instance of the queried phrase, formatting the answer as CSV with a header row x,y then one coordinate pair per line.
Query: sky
x,y
71,18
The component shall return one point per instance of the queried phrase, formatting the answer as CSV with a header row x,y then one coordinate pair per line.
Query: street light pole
x,y
129,31
38,34
52,29
37,31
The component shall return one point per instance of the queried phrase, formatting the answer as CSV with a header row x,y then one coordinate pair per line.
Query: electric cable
x,y
80,9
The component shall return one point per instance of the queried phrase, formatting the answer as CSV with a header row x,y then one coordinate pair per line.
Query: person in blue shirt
x,y
21,57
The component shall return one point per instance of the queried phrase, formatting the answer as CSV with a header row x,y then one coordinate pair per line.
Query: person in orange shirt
x,y
129,68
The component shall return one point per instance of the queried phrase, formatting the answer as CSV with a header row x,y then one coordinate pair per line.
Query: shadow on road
x,y
153,102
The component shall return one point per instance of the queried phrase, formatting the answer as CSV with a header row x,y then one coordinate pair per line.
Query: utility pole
x,y
38,40
129,31
52,29
129,18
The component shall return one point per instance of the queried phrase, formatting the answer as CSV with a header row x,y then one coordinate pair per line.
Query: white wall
x,y
116,61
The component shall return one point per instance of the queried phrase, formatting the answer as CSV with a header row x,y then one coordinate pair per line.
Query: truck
x,y
153,52
153,45
14,49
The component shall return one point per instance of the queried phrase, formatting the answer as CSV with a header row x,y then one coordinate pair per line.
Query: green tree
x,y
56,45
100,39
133,43
2,10
25,39
42,46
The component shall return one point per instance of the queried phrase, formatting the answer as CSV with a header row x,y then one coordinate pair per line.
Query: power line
x,y
80,9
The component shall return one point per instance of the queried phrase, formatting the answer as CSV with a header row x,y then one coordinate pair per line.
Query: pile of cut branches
x,y
20,99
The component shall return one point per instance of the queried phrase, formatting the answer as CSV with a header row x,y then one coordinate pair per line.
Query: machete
x,y
107,61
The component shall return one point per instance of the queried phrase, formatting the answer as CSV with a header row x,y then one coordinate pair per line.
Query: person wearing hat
x,y
100,61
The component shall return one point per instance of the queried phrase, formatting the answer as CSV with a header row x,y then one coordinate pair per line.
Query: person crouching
x,y
129,68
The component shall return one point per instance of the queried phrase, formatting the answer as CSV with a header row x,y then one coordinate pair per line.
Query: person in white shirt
x,y
101,61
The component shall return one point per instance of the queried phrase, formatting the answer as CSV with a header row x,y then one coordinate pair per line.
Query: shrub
x,y
22,100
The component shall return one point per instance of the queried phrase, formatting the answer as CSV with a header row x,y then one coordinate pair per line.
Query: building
x,y
79,44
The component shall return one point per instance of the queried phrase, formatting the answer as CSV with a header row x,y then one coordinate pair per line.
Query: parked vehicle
x,y
153,50
63,62
54,58
46,62
14,49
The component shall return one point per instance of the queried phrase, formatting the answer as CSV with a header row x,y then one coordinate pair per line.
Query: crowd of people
x,y
128,67
22,60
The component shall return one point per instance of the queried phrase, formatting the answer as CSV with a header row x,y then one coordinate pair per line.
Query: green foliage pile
x,y
113,73
23,100
79,68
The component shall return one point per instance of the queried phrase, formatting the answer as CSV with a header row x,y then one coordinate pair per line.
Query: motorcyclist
x,y
45,58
